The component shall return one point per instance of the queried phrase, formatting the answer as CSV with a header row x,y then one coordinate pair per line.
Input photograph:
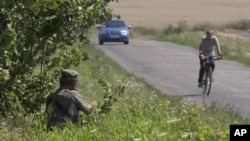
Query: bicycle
x,y
207,76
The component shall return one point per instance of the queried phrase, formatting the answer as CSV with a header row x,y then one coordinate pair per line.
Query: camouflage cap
x,y
68,74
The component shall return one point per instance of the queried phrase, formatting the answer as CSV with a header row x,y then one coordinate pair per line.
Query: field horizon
x,y
161,13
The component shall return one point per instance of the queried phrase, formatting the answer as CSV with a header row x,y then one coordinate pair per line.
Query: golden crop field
x,y
161,13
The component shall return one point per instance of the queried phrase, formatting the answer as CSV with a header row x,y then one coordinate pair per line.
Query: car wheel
x,y
126,42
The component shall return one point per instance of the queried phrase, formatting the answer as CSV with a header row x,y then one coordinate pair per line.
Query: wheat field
x,y
161,13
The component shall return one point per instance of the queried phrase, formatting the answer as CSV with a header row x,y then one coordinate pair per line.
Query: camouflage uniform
x,y
64,104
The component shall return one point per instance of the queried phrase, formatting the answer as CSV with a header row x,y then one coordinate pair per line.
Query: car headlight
x,y
124,32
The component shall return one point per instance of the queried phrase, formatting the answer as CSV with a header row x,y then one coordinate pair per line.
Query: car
x,y
114,30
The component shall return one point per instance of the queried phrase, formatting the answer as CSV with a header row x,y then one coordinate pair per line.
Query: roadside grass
x,y
142,113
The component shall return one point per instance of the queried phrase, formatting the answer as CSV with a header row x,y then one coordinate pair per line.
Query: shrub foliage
x,y
35,40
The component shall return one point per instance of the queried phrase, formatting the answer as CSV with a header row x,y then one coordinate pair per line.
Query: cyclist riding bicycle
x,y
207,46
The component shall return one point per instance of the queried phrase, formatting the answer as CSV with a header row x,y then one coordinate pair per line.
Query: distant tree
x,y
35,44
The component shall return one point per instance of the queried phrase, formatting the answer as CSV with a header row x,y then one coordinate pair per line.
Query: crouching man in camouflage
x,y
66,102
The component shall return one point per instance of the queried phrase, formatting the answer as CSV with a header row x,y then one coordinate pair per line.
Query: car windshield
x,y
115,24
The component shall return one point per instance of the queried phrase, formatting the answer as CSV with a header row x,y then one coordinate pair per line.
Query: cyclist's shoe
x,y
200,85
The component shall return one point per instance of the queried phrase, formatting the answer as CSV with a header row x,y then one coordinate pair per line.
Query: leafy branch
x,y
110,97
41,33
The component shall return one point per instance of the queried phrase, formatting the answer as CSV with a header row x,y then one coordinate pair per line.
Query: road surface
x,y
173,69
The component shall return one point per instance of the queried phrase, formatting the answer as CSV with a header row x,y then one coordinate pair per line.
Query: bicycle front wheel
x,y
208,81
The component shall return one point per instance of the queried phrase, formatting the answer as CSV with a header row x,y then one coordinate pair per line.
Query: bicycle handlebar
x,y
213,57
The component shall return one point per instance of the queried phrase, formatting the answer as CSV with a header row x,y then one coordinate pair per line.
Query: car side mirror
x,y
129,27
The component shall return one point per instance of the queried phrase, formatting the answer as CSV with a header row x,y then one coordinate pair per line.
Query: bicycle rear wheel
x,y
207,82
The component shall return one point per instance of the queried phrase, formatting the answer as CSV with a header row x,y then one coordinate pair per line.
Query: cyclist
x,y
207,46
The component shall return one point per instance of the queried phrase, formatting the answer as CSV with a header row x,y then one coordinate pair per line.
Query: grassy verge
x,y
142,113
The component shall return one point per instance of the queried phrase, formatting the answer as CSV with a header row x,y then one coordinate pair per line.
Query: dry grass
x,y
161,13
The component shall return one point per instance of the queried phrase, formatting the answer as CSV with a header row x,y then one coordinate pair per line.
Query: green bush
x,y
207,26
240,25
180,28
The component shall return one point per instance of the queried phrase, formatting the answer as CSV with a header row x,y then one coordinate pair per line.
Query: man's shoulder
x,y
51,96
54,93
60,92
64,93
69,93
203,38
214,37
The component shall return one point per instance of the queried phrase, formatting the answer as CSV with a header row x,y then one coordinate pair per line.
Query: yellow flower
x,y
202,139
160,103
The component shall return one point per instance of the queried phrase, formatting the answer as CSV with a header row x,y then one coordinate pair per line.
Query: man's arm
x,y
82,105
200,49
218,48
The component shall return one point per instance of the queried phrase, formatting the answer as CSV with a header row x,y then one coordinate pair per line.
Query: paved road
x,y
173,69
